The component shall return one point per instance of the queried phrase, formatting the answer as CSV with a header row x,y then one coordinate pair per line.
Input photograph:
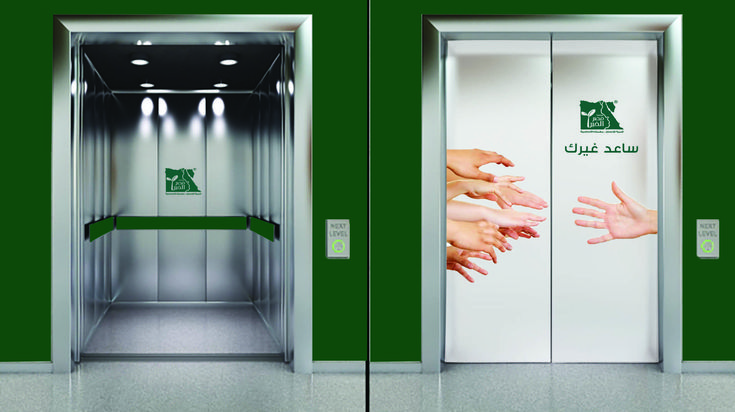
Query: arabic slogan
x,y
587,150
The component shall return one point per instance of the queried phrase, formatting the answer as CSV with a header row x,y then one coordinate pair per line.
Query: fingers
x,y
619,194
502,199
529,231
603,238
529,219
492,157
509,232
469,265
475,254
509,179
588,212
485,176
593,202
514,187
589,223
458,268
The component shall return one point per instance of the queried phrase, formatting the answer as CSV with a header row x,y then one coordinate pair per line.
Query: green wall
x,y
709,286
339,167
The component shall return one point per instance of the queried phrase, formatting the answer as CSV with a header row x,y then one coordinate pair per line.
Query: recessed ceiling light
x,y
139,61
228,60
220,85
147,85
143,43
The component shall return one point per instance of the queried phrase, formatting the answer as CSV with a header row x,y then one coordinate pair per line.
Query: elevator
x,y
574,114
182,183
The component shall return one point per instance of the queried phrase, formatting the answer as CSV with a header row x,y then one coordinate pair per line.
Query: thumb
x,y
620,195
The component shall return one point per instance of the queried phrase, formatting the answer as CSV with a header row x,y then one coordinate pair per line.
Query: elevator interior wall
x,y
183,153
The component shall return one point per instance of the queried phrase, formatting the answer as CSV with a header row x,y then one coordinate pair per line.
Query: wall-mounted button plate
x,y
338,238
708,238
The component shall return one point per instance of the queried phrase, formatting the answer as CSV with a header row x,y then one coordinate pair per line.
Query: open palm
x,y
626,220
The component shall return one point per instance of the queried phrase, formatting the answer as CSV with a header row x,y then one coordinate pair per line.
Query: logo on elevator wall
x,y
181,182
598,117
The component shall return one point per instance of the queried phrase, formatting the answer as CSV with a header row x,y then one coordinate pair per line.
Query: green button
x,y
338,246
707,249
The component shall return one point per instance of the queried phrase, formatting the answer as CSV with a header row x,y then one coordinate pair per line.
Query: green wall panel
x,y
340,169
339,143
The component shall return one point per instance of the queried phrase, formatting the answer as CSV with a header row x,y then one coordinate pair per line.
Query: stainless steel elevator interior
x,y
181,195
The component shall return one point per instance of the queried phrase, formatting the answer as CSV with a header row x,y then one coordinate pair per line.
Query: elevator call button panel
x,y
708,238
338,238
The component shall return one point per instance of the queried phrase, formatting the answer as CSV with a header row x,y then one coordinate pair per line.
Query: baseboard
x,y
395,367
26,367
708,367
338,367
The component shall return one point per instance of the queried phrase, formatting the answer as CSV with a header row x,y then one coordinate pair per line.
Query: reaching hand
x,y
463,211
466,163
519,231
509,195
626,220
477,236
458,259
480,189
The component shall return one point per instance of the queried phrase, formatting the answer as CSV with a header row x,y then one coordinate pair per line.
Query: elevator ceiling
x,y
182,67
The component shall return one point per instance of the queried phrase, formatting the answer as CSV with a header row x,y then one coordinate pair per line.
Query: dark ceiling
x,y
182,67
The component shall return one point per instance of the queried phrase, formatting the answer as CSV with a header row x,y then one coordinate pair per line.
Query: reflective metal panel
x,y
134,187
94,189
181,265
227,170
181,192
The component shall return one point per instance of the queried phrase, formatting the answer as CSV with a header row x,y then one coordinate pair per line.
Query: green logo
x,y
181,182
598,117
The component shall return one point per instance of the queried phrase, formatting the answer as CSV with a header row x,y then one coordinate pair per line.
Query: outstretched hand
x,y
626,220
477,236
466,163
458,259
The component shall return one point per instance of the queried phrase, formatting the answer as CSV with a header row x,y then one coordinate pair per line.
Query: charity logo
x,y
181,182
598,117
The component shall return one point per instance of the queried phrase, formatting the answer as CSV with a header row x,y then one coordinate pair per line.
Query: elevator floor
x,y
168,328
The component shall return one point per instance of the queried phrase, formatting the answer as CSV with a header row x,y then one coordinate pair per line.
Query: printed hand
x,y
458,259
626,220
480,189
510,195
477,236
466,163
469,212
519,231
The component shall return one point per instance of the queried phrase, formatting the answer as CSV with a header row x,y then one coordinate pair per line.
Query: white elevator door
x,y
499,99
557,298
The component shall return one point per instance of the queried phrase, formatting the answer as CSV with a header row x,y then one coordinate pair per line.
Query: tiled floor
x,y
271,386
174,328
552,387
180,387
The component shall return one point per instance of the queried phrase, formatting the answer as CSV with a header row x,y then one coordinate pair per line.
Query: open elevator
x,y
181,195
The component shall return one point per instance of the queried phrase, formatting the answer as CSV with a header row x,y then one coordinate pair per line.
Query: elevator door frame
x,y
437,31
297,216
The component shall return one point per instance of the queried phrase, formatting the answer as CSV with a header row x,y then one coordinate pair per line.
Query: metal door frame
x,y
436,31
66,229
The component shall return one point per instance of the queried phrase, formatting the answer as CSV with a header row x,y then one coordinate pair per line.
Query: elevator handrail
x,y
99,228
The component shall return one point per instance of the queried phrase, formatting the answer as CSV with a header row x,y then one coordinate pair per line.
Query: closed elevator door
x,y
574,116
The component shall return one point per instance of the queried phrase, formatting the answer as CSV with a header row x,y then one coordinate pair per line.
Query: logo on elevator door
x,y
598,117
181,182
